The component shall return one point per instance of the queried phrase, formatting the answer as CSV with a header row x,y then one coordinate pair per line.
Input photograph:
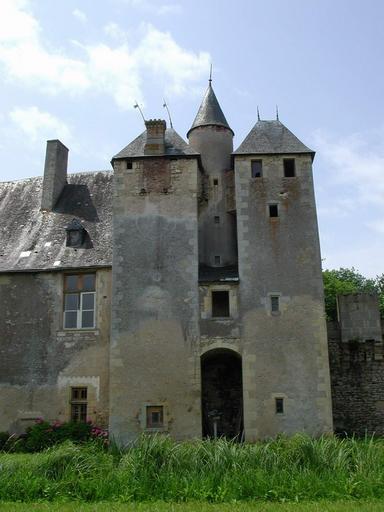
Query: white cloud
x,y
38,125
114,70
80,15
351,162
155,6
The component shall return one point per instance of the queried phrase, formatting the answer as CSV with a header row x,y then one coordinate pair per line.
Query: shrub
x,y
44,434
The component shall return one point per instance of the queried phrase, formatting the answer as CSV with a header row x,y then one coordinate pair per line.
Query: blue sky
x,y
73,70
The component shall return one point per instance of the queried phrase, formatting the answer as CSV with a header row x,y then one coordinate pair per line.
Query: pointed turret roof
x,y
269,137
210,112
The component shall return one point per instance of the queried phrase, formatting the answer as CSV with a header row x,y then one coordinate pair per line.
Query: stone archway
x,y
222,394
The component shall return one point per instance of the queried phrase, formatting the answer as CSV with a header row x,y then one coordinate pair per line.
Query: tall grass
x,y
156,468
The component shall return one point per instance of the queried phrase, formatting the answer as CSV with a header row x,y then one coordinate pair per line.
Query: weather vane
x,y
277,113
169,114
136,105
210,75
258,113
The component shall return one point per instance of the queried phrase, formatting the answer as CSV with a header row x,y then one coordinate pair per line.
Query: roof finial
x,y
136,105
210,75
277,113
169,114
258,113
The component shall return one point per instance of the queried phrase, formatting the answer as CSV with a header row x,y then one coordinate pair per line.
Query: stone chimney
x,y
155,144
55,173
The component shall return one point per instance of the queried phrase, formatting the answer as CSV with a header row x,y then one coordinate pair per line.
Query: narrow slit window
x,y
273,210
257,168
279,405
275,303
289,168
220,303
217,219
155,416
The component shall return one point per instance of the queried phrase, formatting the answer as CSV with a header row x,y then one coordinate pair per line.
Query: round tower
x,y
211,136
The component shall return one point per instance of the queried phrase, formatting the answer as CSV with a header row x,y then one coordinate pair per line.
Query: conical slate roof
x,y
270,137
174,145
210,112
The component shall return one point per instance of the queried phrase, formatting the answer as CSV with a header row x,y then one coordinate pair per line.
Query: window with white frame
x,y
79,301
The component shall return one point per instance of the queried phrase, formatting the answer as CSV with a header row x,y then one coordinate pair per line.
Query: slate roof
x,y
269,137
218,274
174,146
35,240
210,112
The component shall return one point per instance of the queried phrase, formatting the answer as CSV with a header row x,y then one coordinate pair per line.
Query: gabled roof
x,y
34,240
268,137
210,112
174,146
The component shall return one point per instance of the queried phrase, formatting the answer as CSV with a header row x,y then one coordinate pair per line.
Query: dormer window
x,y
76,234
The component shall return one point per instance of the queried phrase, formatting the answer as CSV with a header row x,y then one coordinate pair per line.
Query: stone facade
x,y
181,293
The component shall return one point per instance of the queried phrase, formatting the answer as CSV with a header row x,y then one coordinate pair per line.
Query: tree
x,y
345,280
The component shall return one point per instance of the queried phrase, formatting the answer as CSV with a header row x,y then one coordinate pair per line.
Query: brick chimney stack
x,y
55,173
155,144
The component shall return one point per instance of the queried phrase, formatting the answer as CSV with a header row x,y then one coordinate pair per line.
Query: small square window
x,y
129,165
273,210
217,219
275,303
155,416
257,168
289,167
220,303
215,182
279,405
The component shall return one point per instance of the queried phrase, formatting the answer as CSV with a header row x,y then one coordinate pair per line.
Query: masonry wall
x,y
39,360
155,309
357,380
284,354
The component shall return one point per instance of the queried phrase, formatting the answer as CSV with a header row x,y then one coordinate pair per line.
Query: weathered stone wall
x,y
155,309
357,380
39,360
284,355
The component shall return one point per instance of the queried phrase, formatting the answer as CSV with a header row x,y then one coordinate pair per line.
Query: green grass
x,y
194,507
298,469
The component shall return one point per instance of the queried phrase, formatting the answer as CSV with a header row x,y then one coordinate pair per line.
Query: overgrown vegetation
x,y
345,280
155,468
43,434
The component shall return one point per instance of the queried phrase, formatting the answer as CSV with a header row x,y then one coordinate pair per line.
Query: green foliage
x,y
345,280
43,435
156,468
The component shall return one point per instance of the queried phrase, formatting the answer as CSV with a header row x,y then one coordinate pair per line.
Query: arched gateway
x,y
222,394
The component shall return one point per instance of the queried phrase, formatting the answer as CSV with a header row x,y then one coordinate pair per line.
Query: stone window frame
x,y
80,309
78,404
293,159
275,217
143,417
260,161
232,297
286,401
269,303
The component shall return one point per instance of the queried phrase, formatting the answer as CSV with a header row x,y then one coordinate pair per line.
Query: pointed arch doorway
x,y
222,394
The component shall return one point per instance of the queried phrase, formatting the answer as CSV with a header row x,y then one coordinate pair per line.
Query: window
x,y
217,219
220,303
275,303
257,168
79,404
129,165
79,301
273,210
215,182
289,167
279,405
155,416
